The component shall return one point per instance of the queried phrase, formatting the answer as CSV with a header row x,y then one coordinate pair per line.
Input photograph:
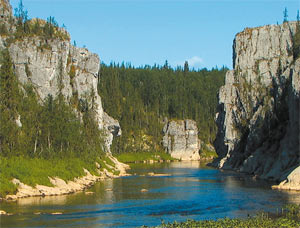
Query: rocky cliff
x,y
181,139
258,113
46,63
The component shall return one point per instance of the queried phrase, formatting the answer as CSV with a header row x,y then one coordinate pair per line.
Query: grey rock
x,y
258,111
113,129
181,139
5,11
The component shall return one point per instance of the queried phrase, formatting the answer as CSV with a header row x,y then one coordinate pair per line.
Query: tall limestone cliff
x,y
258,113
44,63
181,140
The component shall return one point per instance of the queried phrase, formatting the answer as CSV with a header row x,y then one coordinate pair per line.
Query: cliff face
x,y
258,113
48,64
181,139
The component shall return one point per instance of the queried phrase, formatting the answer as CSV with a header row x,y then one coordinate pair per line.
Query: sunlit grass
x,y
32,171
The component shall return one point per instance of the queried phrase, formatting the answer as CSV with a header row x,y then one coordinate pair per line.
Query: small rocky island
x,y
181,139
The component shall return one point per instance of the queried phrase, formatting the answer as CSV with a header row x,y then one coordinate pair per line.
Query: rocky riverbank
x,y
61,187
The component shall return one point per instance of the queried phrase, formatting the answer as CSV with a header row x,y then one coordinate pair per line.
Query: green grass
x,y
32,171
143,156
289,218
206,152
105,162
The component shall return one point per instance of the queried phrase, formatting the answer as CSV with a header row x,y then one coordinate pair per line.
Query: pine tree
x,y
9,106
186,66
285,15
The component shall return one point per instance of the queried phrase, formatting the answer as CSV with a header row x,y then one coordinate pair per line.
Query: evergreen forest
x,y
144,98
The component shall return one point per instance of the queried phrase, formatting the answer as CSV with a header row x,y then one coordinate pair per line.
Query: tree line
x,y
143,98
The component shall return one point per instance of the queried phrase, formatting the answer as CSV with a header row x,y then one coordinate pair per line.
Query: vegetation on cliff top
x,y
22,26
143,98
296,40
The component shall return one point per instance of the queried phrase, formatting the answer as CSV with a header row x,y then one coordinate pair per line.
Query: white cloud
x,y
194,62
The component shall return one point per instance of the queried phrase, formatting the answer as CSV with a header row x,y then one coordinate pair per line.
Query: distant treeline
x,y
142,98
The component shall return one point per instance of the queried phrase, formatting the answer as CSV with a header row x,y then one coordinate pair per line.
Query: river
x,y
192,191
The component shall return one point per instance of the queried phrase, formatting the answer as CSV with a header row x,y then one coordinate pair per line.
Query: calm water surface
x,y
192,191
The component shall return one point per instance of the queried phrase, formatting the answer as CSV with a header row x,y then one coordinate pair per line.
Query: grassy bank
x,y
288,218
207,152
144,156
32,171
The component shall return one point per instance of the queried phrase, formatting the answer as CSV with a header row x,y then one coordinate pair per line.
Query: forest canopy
x,y
143,98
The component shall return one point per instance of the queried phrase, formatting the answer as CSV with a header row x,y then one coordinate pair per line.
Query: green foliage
x,y
49,130
141,98
10,99
3,30
207,152
36,27
296,42
285,15
290,218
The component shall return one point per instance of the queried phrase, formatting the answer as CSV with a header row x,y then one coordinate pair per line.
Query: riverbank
x,y
25,177
288,217
158,157
145,157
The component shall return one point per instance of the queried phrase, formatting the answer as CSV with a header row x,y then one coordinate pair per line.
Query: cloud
x,y
194,62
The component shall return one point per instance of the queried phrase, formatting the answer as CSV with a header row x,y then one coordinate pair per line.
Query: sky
x,y
145,32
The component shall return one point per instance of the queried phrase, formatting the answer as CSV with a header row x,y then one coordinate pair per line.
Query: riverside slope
x,y
61,187
258,112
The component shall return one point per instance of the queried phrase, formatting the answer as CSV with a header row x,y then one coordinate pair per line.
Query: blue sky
x,y
152,31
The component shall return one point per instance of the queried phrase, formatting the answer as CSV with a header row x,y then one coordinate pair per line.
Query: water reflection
x,y
191,191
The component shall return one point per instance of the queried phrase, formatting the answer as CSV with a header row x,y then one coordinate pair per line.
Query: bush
x,y
263,220
296,43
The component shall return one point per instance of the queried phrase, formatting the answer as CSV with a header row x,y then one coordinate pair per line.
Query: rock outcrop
x,y
258,113
5,10
51,64
181,139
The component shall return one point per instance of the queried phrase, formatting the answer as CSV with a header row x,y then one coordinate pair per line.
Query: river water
x,y
192,191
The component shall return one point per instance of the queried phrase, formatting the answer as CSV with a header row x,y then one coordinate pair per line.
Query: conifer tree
x,y
285,15
9,105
